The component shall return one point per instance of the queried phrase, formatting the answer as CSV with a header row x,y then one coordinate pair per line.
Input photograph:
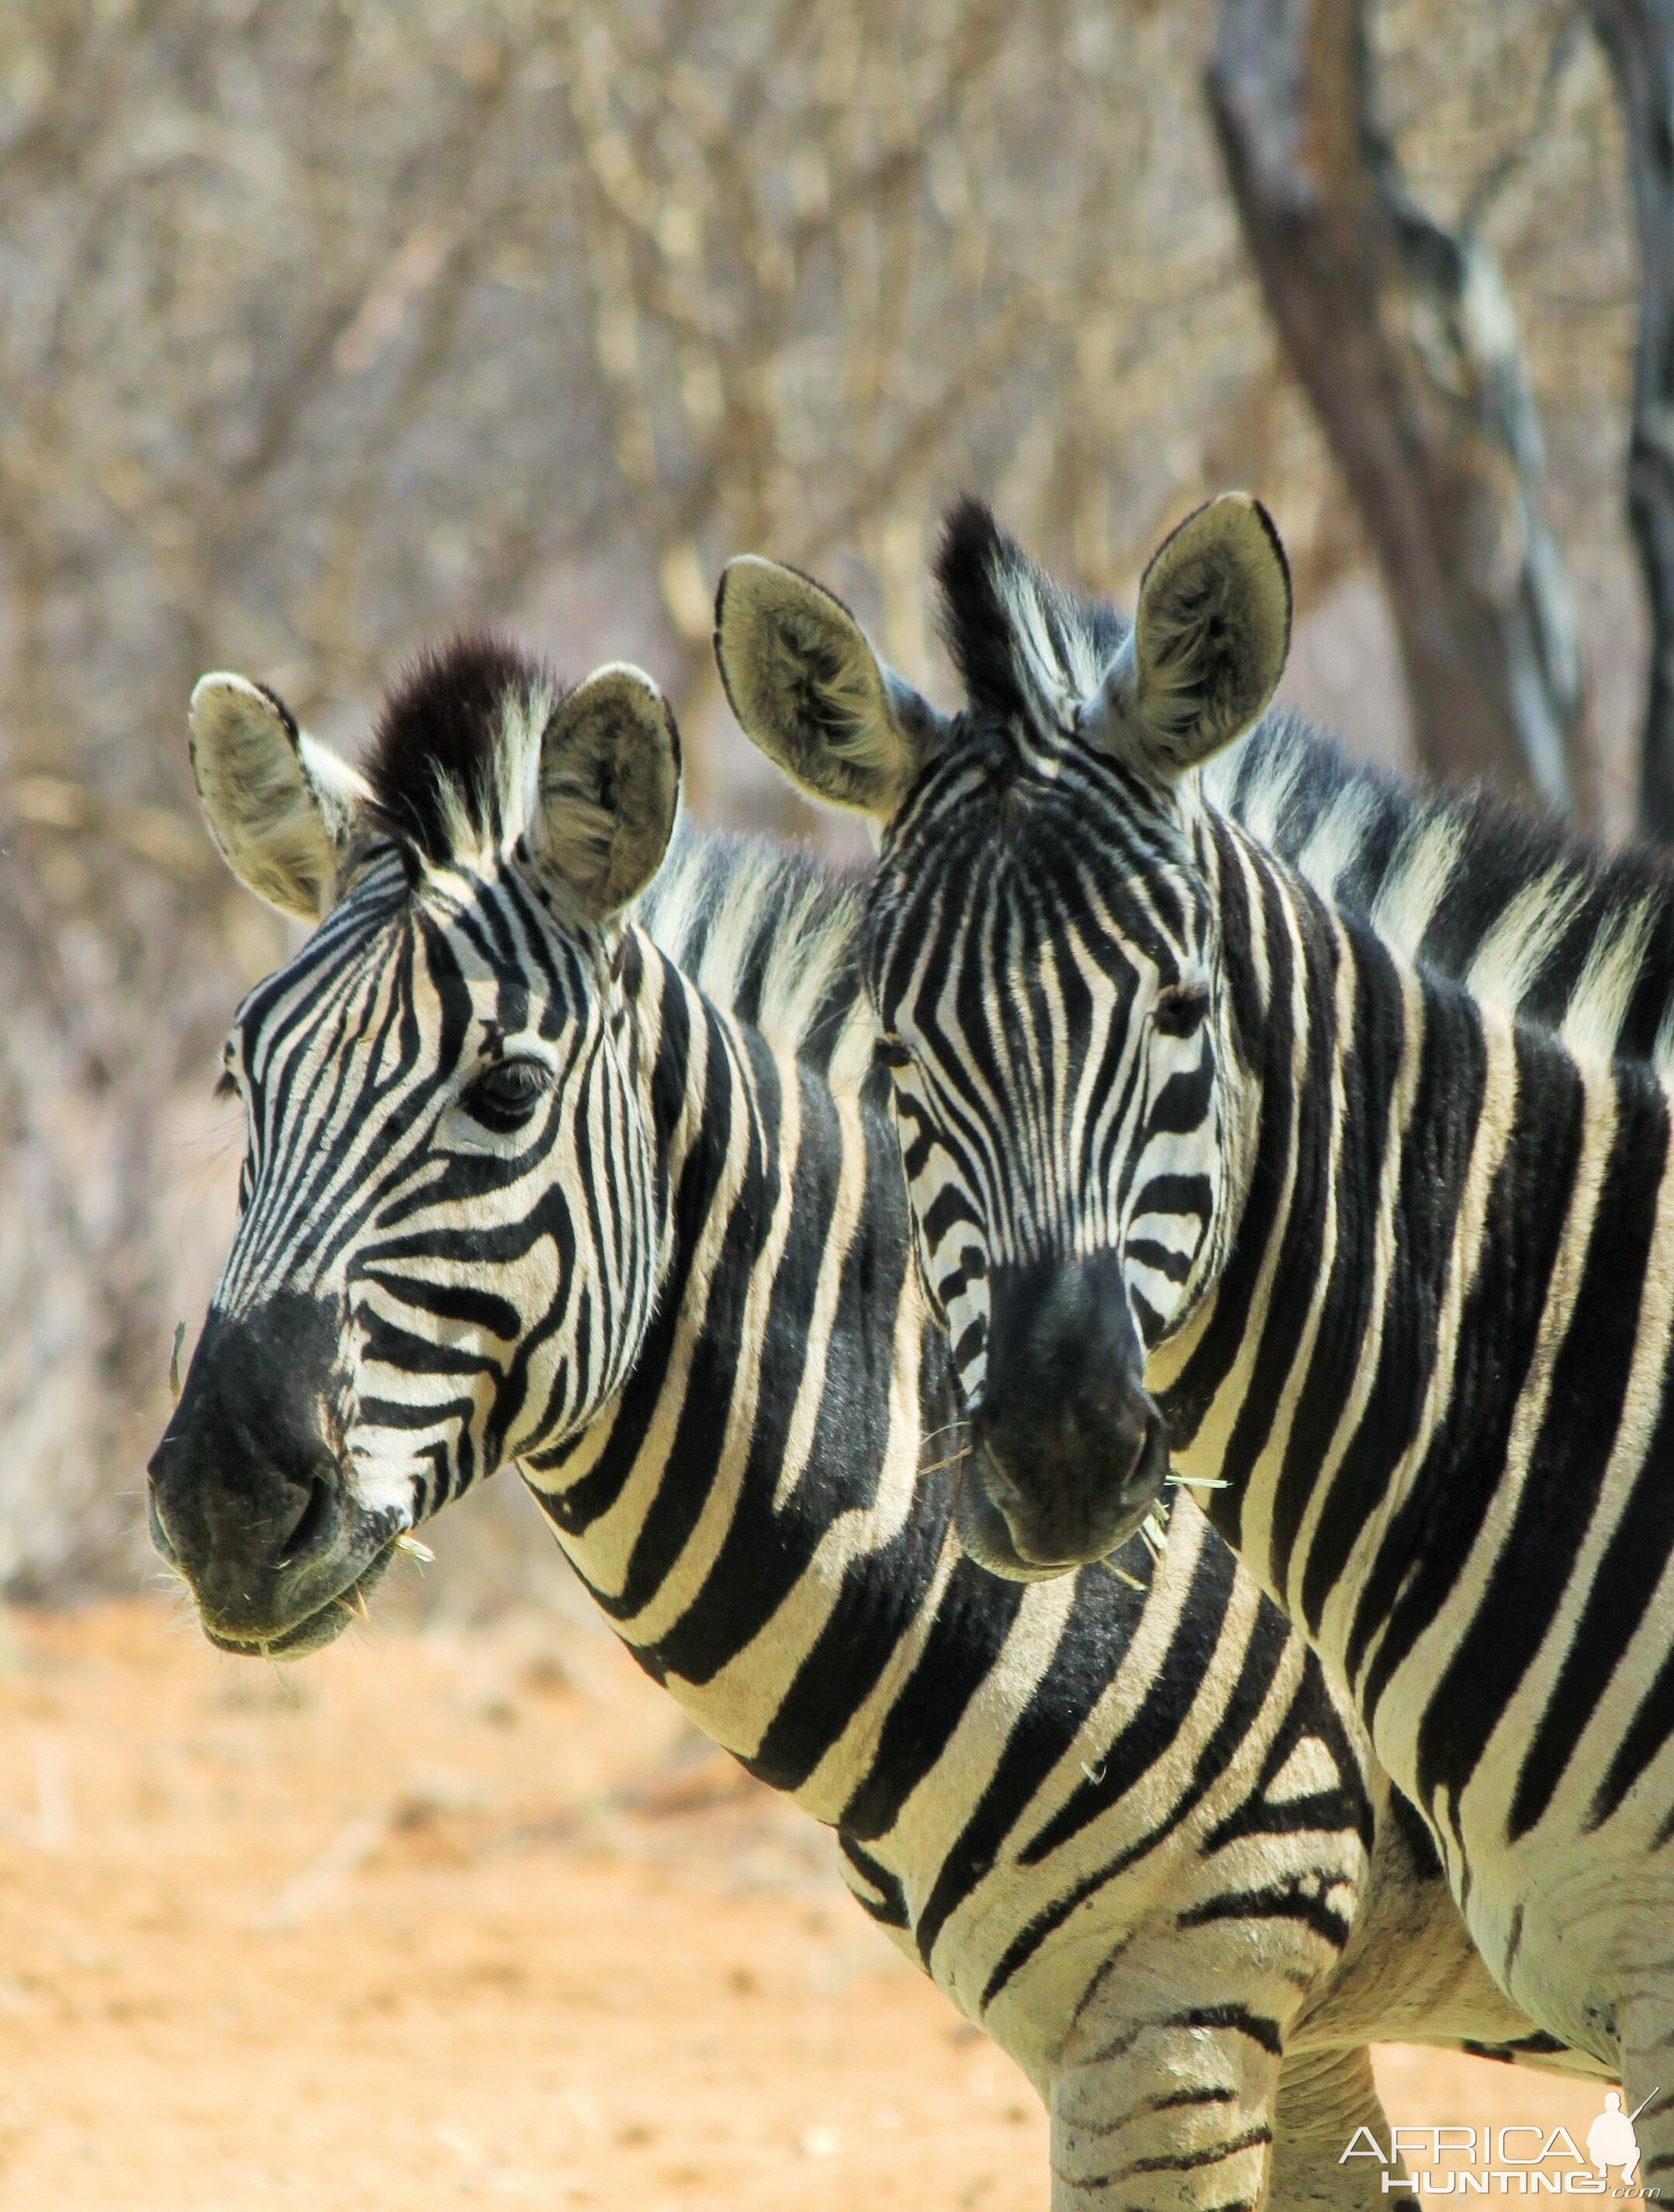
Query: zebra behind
x,y
1394,1269
552,1164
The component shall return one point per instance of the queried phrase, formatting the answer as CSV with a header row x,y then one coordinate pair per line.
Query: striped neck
x,y
1422,1293
752,1498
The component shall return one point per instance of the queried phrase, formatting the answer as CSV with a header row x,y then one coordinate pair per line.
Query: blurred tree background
x,y
328,323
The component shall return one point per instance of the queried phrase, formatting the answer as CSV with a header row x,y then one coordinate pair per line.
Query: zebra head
x,y
450,1216
1041,952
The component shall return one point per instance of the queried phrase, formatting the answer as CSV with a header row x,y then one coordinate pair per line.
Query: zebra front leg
x,y
1323,2096
1163,2115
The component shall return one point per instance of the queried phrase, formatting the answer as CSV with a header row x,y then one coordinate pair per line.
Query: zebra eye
x,y
890,1051
1179,1007
504,1096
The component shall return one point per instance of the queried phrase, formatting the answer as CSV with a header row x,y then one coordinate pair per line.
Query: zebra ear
x,y
280,806
805,685
609,787
1208,645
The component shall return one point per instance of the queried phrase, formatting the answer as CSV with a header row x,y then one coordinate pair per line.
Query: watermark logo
x,y
1610,2140
1519,2160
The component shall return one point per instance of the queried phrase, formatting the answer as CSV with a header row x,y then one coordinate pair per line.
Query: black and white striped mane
x,y
1526,913
772,934
765,931
1022,644
455,746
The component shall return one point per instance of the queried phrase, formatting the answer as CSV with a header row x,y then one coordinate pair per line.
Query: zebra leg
x,y
1323,2096
1163,2115
1647,2080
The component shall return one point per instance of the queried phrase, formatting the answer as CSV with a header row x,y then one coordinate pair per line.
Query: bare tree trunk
x,y
1638,36
1402,336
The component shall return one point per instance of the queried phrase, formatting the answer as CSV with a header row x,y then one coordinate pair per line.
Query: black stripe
x,y
1430,1536
1435,1159
965,1639
1297,1277
1148,1732
717,1354
1204,1372
760,1559
1371,1064
1251,1680
1589,1379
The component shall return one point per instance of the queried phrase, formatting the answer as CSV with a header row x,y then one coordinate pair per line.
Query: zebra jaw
x,y
317,1629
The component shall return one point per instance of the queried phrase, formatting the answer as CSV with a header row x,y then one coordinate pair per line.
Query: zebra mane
x,y
774,936
764,931
1024,647
455,750
1530,916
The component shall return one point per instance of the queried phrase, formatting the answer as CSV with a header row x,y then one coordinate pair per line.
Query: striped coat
x,y
555,1163
1333,1136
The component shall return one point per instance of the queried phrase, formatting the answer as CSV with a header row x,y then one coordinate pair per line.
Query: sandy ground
x,y
466,1914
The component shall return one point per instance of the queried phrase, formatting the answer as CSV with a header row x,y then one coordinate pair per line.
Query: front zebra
x,y
1402,1267
536,1174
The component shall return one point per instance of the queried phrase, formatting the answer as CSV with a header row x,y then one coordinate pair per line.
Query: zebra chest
x,y
1561,1929
1087,1809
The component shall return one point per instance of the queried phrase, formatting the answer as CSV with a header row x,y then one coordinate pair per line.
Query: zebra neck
x,y
747,1512
1432,1303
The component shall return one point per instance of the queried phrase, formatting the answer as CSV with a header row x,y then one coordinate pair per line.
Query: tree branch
x,y
1638,37
1402,336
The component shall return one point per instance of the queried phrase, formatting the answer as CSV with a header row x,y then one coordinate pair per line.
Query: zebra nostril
x,y
1148,1469
161,1542
315,1524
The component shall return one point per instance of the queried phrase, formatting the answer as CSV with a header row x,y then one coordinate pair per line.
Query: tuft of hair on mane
x,y
1022,644
453,747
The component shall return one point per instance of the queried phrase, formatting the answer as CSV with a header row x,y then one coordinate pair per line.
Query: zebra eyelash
x,y
227,1087
505,1096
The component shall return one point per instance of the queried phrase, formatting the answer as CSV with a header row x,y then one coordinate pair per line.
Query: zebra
x,y
1393,1267
565,1147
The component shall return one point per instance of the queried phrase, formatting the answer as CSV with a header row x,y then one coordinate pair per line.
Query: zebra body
x,y
1399,1260
611,1191
1432,1373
